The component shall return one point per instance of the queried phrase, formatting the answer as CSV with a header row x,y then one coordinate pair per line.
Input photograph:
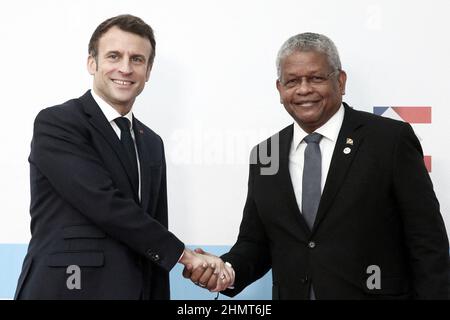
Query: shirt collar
x,y
329,130
109,112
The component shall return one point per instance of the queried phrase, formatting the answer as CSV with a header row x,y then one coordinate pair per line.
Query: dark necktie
x,y
311,191
128,143
312,174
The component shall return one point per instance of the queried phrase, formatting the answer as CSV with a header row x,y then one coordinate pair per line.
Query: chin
x,y
307,119
123,97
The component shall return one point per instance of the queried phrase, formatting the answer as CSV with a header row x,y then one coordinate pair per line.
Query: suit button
x,y
153,256
304,280
311,244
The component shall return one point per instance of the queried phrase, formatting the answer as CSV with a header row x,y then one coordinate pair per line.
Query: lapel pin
x,y
349,141
141,131
347,150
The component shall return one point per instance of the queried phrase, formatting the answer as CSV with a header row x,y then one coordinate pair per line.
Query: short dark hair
x,y
125,22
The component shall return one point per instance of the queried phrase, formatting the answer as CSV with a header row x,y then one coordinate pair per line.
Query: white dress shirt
x,y
111,114
329,131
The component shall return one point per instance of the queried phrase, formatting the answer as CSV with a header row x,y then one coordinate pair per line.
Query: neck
x,y
122,109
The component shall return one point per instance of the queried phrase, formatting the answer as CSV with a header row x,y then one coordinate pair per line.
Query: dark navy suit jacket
x,y
85,212
378,208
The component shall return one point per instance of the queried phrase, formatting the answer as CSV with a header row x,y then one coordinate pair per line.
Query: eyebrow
x,y
308,73
139,56
112,51
132,55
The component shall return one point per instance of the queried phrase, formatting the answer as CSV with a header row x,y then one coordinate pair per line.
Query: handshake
x,y
206,270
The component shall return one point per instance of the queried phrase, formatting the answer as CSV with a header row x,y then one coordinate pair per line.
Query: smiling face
x,y
311,103
121,68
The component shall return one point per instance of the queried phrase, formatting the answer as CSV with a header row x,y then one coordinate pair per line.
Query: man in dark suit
x,y
351,212
98,185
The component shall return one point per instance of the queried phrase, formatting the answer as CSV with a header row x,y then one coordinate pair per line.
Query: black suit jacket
x,y
378,208
84,211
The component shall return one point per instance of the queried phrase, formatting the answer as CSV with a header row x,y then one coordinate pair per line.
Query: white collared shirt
x,y
111,114
329,131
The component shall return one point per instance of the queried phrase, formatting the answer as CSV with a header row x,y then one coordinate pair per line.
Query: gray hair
x,y
309,41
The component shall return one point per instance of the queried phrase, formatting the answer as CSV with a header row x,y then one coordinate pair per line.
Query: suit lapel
x,y
285,181
340,161
99,121
144,160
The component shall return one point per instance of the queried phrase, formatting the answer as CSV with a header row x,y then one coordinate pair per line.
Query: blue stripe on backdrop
x,y
11,258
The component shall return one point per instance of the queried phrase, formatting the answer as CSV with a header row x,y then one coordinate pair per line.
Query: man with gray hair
x,y
351,212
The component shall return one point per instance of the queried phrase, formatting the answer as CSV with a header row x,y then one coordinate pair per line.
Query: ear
x,y
91,65
278,84
149,70
342,79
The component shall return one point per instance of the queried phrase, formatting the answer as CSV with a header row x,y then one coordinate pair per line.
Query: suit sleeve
x,y
250,255
424,229
64,155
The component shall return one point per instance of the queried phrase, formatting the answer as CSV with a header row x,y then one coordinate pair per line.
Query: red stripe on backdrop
x,y
414,114
427,160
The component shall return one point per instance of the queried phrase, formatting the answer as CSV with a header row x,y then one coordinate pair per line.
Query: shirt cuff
x,y
181,257
234,275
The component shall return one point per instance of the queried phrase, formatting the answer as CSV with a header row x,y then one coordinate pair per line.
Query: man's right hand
x,y
217,276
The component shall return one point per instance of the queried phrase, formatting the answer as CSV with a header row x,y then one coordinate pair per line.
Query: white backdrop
x,y
211,95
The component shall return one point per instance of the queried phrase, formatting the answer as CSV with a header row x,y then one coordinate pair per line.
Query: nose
x,y
125,67
304,87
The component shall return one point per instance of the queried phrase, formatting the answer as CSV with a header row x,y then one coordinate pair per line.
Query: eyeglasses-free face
x,y
121,68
